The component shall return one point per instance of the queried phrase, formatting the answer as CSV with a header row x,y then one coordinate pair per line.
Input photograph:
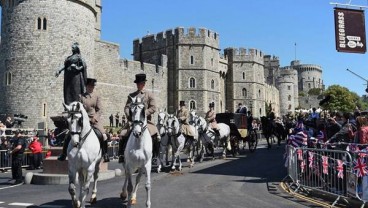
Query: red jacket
x,y
35,147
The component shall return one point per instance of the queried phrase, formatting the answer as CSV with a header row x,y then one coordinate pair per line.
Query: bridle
x,y
139,122
171,126
73,115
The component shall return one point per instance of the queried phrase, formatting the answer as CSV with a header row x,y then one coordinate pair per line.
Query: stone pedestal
x,y
53,166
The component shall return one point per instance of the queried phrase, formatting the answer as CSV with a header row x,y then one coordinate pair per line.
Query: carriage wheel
x,y
252,142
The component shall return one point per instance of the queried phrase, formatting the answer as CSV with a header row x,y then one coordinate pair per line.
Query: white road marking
x,y
20,204
52,206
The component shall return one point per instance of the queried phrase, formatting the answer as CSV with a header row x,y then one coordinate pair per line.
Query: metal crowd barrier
x,y
6,159
324,170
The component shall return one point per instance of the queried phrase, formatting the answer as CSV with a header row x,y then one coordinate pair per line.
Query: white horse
x,y
178,142
84,154
224,137
207,142
164,143
138,154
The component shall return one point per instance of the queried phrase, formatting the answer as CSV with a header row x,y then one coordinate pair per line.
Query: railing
x,y
6,159
335,172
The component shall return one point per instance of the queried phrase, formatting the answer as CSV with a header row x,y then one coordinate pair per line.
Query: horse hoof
x,y
123,196
93,200
133,201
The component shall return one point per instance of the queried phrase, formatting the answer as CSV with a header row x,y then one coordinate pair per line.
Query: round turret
x,y
36,37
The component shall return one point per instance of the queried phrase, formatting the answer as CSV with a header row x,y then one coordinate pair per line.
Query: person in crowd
x,y
241,109
9,124
333,126
249,122
18,147
343,134
75,75
361,135
111,120
150,109
36,148
117,117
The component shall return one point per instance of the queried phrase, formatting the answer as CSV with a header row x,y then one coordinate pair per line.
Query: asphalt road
x,y
249,180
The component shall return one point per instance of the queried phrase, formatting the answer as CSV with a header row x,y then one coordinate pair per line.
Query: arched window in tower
x,y
192,83
244,92
243,75
44,24
192,105
289,108
289,98
259,93
212,84
260,111
39,23
211,61
192,60
309,85
8,78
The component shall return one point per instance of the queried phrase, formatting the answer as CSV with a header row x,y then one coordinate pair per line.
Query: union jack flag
x,y
300,154
325,164
340,169
360,167
311,157
302,166
363,152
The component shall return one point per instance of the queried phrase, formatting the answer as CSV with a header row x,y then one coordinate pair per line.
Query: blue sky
x,y
271,26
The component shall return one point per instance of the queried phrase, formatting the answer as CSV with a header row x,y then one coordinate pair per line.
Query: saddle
x,y
98,134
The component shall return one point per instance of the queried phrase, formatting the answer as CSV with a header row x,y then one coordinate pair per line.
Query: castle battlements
x,y
244,55
308,67
181,36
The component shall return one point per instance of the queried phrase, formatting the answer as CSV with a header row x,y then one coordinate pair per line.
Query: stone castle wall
x,y
33,59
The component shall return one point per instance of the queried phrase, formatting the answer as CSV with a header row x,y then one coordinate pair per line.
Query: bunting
x,y
340,169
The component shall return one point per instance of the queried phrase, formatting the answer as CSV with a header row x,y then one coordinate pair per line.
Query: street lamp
x,y
366,89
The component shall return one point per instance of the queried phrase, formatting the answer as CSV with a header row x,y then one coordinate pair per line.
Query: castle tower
x,y
245,80
309,75
36,37
271,66
287,83
193,66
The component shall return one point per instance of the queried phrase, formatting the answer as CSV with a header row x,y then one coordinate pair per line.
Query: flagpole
x,y
295,51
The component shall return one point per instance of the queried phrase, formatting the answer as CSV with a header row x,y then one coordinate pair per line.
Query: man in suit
x,y
150,106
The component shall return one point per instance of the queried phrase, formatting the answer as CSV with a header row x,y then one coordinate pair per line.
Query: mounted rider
x,y
211,119
183,117
150,106
92,103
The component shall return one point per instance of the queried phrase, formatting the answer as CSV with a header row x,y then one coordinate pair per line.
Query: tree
x,y
315,91
341,99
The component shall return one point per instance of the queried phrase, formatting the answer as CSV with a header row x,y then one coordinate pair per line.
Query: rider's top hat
x,y
140,78
91,81
212,104
182,103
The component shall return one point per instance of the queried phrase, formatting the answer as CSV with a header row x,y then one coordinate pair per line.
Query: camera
x,y
19,118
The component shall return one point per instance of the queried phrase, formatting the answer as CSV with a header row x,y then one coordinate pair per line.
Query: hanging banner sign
x,y
350,30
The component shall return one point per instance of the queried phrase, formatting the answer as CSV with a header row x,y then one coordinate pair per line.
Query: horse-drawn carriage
x,y
238,130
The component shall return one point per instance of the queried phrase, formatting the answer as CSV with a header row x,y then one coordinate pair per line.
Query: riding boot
x,y
105,154
62,157
122,144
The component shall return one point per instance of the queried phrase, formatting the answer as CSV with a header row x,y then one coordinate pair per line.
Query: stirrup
x,y
62,157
